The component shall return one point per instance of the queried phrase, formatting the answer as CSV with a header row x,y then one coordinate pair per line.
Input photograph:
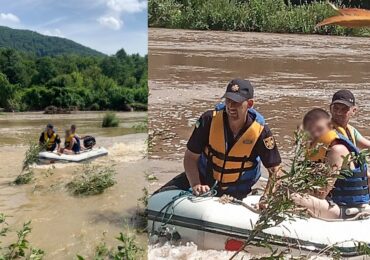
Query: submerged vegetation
x,y
141,127
110,120
31,157
92,180
246,15
29,82
21,247
128,249
32,154
24,177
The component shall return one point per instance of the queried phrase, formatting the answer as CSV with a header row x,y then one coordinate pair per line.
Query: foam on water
x,y
188,251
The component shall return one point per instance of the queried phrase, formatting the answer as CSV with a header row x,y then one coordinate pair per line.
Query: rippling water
x,y
189,70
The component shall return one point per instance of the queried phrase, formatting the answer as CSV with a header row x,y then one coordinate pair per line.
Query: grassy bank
x,y
242,15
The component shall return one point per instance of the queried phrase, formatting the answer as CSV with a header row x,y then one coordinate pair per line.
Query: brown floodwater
x,y
189,70
64,225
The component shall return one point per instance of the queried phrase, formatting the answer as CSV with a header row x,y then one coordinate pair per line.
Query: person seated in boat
x,y
340,194
342,108
76,136
71,145
49,139
227,147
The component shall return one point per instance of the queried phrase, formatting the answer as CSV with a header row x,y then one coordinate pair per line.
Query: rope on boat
x,y
169,208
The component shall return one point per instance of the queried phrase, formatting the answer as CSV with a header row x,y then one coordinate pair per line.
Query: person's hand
x,y
262,204
199,189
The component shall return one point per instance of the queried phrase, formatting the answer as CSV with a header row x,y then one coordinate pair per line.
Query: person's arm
x,y
57,141
71,144
267,150
195,146
41,139
192,173
334,158
362,142
272,182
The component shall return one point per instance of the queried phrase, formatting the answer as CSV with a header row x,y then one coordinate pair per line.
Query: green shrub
x,y
92,180
24,177
32,154
21,247
110,120
252,15
128,249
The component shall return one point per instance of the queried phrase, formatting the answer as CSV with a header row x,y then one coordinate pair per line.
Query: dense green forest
x,y
30,82
280,16
41,45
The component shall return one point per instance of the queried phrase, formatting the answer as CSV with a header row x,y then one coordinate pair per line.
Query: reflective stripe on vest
x,y
50,141
235,166
353,189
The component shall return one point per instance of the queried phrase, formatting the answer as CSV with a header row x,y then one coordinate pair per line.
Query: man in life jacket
x,y
50,139
227,147
342,197
71,145
342,108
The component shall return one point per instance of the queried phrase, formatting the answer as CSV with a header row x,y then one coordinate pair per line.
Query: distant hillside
x,y
41,45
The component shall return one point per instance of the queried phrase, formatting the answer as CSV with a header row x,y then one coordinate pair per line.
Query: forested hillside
x,y
41,45
30,82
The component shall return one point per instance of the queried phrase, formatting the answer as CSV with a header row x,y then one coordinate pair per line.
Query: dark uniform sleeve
x,y
41,139
199,138
57,139
267,149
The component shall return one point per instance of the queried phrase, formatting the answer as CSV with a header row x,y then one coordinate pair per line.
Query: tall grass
x,y
253,15
110,120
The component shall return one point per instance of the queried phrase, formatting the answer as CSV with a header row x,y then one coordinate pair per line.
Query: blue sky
x,y
104,25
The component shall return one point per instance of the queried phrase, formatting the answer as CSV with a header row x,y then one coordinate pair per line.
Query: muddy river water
x,y
64,225
189,70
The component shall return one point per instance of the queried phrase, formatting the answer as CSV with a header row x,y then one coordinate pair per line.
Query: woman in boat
x,y
342,196
71,144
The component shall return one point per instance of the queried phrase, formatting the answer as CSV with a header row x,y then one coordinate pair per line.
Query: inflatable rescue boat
x,y
213,225
49,157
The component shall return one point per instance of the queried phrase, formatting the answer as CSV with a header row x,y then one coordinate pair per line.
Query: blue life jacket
x,y
352,190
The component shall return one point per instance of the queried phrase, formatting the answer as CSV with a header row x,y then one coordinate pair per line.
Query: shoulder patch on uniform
x,y
269,142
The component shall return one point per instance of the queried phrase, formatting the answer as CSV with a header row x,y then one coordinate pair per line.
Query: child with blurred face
x,y
317,123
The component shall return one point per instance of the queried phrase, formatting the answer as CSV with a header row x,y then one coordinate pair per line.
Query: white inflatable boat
x,y
49,157
213,225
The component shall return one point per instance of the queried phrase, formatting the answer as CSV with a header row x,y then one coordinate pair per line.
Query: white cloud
x,y
129,6
54,32
9,17
111,22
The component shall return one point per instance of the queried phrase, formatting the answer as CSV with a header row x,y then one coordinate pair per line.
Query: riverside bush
x,y
253,15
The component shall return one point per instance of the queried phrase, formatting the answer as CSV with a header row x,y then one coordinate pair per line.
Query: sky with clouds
x,y
104,25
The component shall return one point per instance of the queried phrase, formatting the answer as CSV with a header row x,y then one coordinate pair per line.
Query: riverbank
x,y
254,16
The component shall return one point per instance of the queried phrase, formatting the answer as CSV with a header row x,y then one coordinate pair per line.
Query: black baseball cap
x,y
49,126
239,90
344,97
